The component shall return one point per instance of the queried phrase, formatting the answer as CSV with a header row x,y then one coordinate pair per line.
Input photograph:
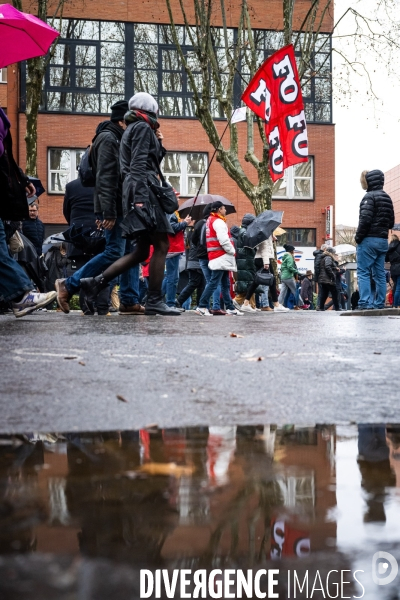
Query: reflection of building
x,y
99,60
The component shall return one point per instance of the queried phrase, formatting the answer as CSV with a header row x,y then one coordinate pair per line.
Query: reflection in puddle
x,y
203,497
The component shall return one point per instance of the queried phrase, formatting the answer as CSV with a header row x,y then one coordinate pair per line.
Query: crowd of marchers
x,y
150,262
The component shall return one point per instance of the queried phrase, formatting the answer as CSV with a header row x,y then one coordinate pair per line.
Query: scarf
x,y
214,214
134,115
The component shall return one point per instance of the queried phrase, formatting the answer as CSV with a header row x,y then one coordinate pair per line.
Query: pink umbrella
x,y
22,36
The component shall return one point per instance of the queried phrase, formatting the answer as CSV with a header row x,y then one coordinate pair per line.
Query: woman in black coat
x,y
144,221
393,256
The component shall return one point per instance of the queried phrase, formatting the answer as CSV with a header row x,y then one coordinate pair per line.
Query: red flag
x,y
274,94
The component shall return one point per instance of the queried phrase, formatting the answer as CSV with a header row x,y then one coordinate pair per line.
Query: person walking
x,y
196,277
105,159
246,269
393,257
78,210
318,254
221,255
199,240
33,228
306,291
327,279
375,220
289,274
175,251
144,220
15,286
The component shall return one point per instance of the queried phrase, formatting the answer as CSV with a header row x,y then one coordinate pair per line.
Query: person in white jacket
x,y
221,260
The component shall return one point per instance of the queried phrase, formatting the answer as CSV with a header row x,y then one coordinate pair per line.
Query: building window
x,y
297,183
63,168
98,62
185,171
3,75
298,237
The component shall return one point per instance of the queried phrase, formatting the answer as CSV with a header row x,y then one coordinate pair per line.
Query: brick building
x,y
111,50
392,187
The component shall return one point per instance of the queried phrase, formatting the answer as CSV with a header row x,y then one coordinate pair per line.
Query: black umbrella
x,y
196,211
396,227
89,241
262,227
38,185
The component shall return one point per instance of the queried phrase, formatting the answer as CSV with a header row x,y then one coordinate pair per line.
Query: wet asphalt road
x,y
64,372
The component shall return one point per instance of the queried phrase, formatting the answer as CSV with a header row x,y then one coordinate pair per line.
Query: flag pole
x,y
213,156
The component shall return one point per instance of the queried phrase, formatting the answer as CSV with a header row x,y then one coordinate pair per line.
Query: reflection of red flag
x,y
274,94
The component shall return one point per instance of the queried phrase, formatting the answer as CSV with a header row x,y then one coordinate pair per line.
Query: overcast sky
x,y
367,133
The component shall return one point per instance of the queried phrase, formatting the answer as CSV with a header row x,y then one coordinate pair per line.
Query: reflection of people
x,y
375,469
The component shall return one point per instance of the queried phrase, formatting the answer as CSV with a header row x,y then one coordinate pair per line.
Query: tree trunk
x,y
35,69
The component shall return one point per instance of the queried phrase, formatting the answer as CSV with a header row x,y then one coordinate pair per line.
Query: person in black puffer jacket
x,y
375,220
393,256
327,279
33,229
246,268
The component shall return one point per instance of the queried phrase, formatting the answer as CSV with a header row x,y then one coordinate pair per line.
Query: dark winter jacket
x,y
338,273
78,209
13,203
393,256
192,260
318,254
306,291
140,156
246,268
376,209
201,251
104,157
33,229
327,273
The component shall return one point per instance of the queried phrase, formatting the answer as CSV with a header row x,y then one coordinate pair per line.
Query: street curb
x,y
376,312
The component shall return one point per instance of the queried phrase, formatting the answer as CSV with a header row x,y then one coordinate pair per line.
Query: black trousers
x,y
325,289
253,286
196,282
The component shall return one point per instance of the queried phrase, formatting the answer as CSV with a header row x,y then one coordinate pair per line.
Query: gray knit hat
x,y
143,101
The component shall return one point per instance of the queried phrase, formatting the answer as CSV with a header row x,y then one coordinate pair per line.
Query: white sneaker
x,y
236,305
280,308
247,308
235,311
204,312
32,301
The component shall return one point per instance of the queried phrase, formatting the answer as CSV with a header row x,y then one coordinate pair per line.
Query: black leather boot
x,y
92,286
156,306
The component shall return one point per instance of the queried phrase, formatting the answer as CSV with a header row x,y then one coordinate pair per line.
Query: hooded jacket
x,y
376,209
318,254
288,267
393,256
327,273
104,157
245,256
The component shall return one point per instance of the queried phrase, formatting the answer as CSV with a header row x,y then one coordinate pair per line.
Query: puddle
x,y
211,497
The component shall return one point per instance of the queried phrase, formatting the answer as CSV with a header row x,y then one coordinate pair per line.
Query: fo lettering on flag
x,y
274,95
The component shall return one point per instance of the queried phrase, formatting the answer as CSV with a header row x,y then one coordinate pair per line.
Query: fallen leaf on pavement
x,y
233,334
69,357
82,363
377,352
121,398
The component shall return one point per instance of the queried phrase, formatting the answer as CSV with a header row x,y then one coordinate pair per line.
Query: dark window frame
x,y
129,70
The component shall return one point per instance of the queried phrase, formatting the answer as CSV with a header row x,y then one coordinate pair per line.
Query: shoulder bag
x,y
165,194
264,277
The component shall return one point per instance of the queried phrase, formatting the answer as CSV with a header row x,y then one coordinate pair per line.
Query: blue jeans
x,y
371,264
13,280
218,278
116,247
170,283
207,276
396,295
